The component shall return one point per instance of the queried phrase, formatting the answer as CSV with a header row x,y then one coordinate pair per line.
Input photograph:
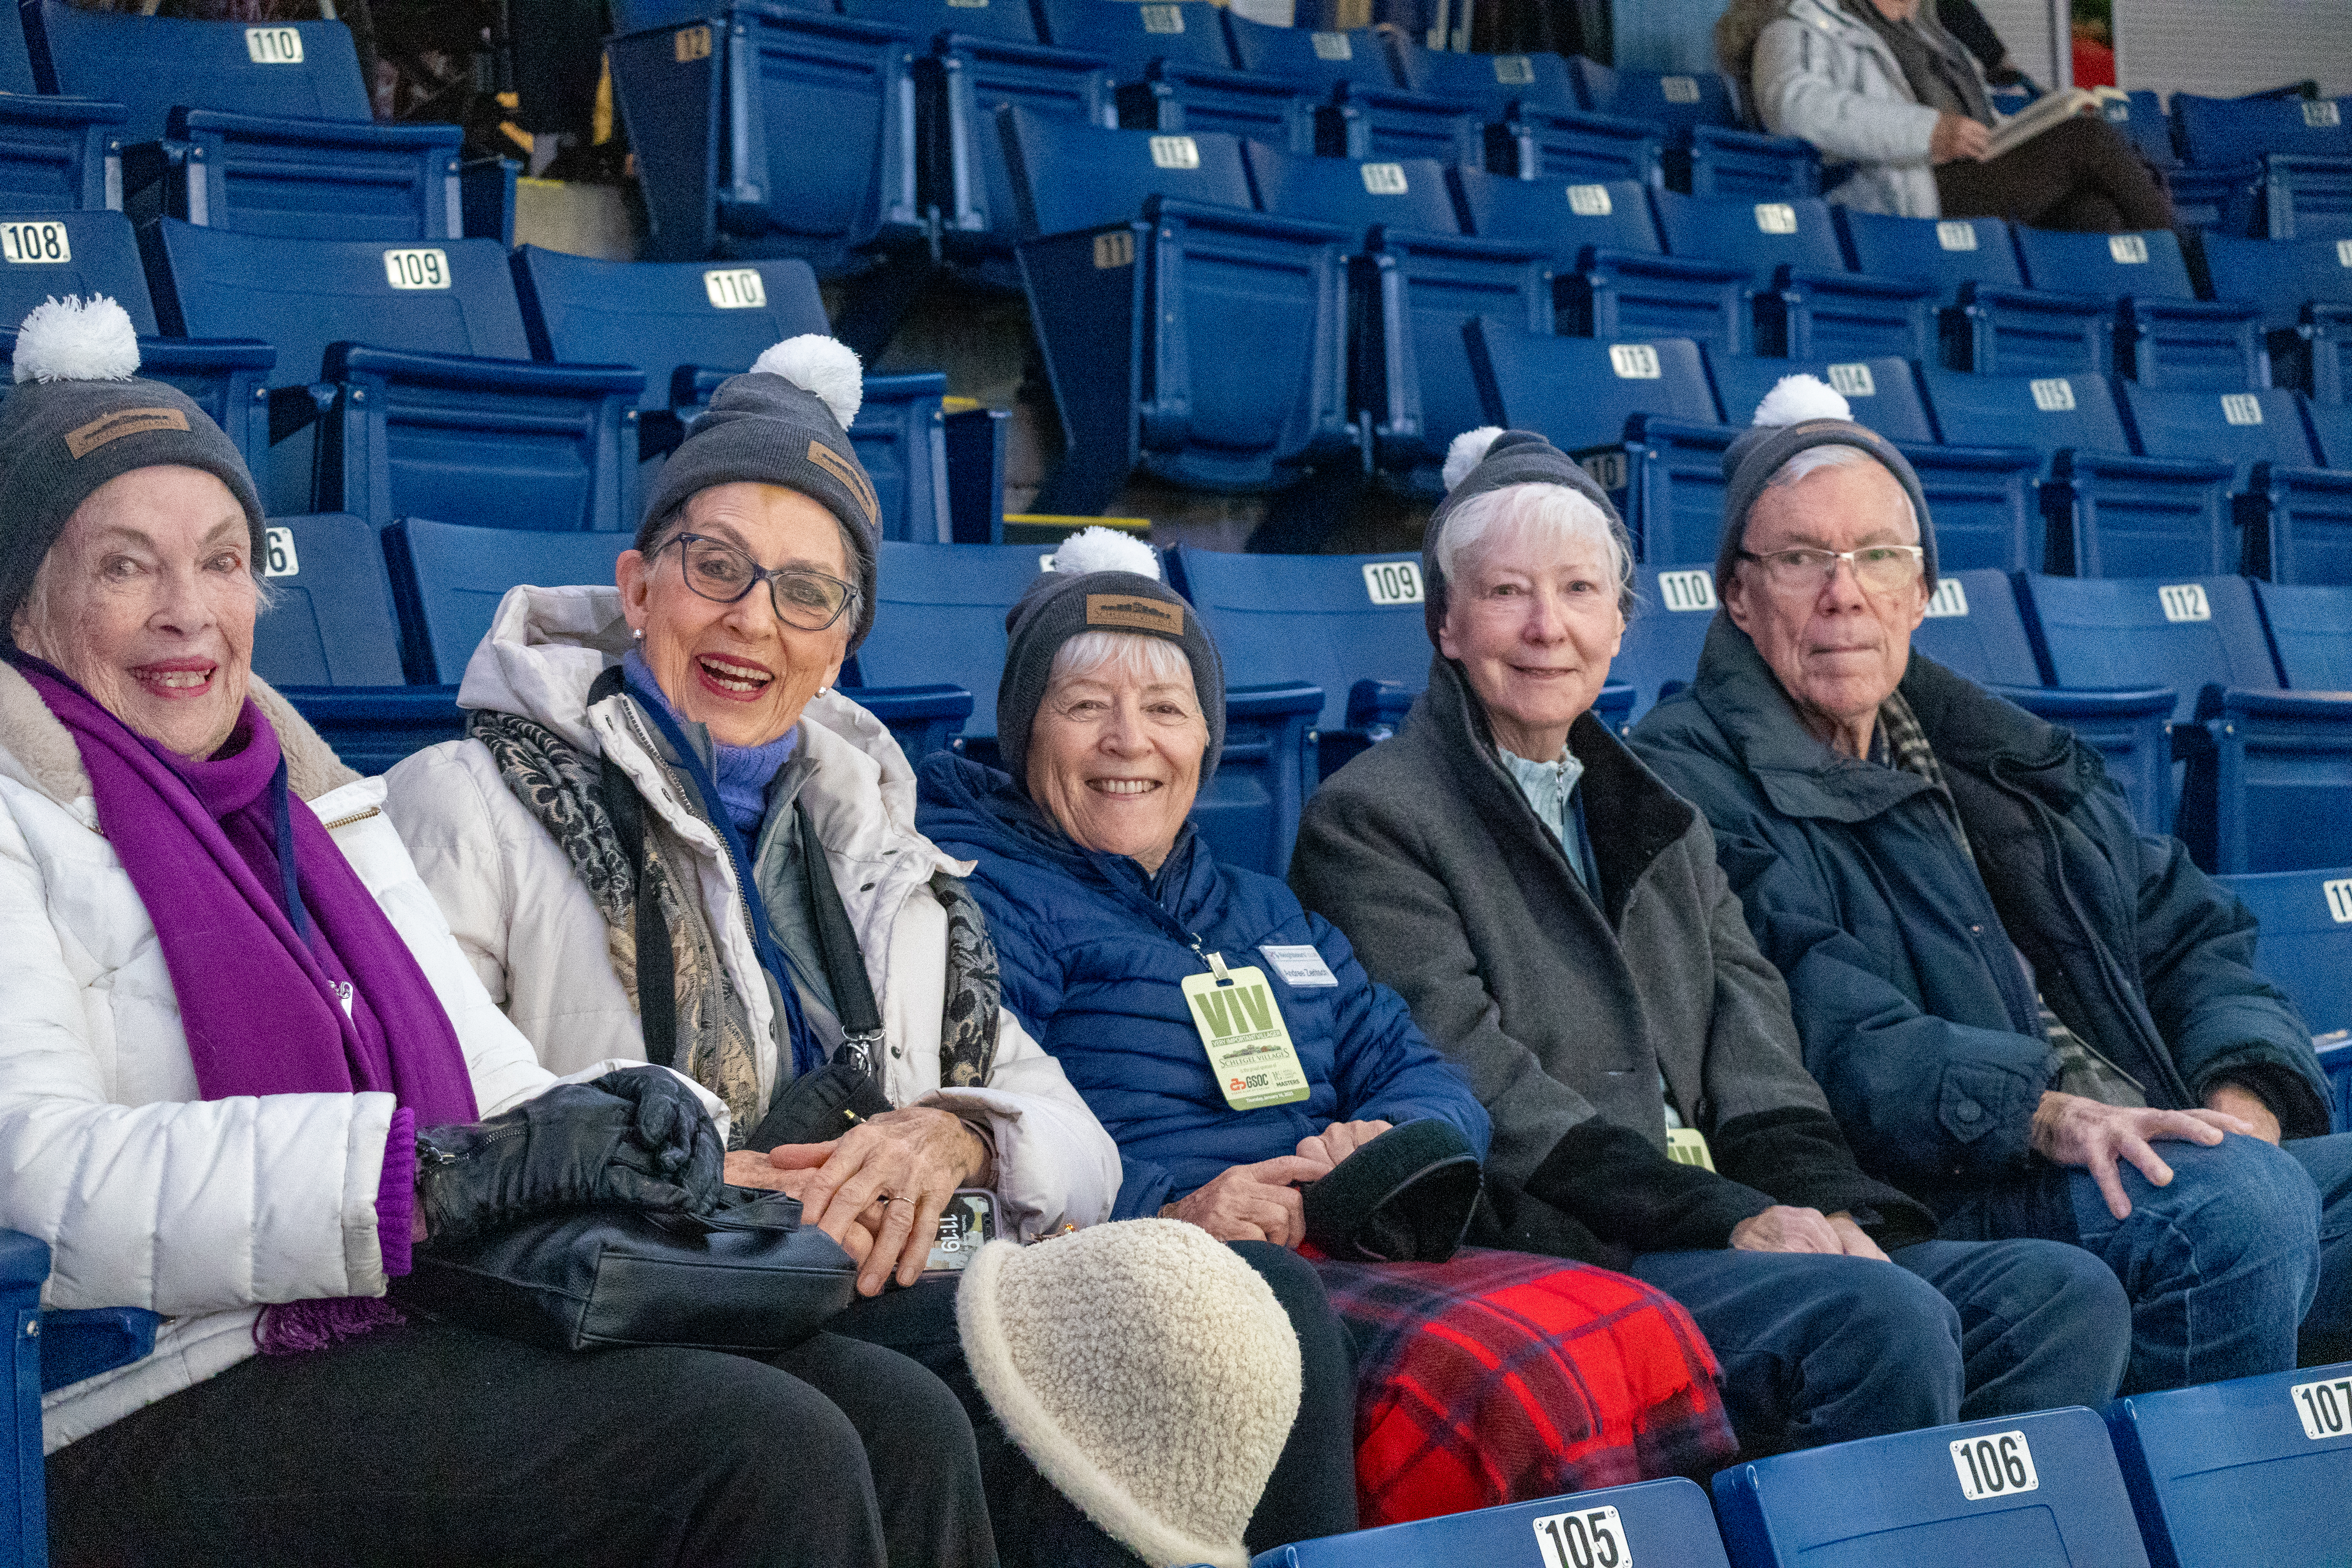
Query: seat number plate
x,y
2344,253
2321,113
35,242
1587,1538
2184,602
2325,1408
1513,71
691,44
1953,235
1853,380
1949,599
1114,250
2241,408
1776,218
277,557
1384,179
427,268
1588,201
2339,899
1692,590
1995,1465
2055,395
2129,249
1678,89
735,287
1175,152
1334,47
1392,581
274,46
1634,362
1162,19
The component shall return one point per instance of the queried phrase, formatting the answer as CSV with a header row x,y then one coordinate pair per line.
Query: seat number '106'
x,y
1994,1464
1588,1538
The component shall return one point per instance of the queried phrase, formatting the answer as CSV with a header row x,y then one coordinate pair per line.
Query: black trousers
x,y
2081,174
1311,1493
437,1445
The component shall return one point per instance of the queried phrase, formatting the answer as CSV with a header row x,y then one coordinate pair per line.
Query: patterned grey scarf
x,y
558,784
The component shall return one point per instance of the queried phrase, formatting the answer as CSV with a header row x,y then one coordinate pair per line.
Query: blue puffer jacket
x,y
1094,951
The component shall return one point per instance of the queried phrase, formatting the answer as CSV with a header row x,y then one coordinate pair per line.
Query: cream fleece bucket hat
x,y
1146,1371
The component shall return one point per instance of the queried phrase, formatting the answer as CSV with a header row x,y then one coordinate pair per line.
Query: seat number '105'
x,y
1588,1538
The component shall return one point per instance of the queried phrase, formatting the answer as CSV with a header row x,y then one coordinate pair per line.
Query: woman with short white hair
x,y
1555,916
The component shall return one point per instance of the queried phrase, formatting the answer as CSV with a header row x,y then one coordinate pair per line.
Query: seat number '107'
x,y
2324,1408
1588,1538
1994,1464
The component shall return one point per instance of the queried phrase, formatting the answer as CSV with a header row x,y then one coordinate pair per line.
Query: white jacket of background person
x,y
537,941
147,1194
1827,77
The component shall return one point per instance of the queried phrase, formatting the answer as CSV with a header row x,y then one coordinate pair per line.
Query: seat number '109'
x,y
1588,1538
1994,1464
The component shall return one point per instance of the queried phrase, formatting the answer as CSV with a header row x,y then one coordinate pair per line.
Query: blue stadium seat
x,y
1317,62
2219,132
2311,632
60,154
2307,198
1643,294
2304,289
1998,326
1418,281
2267,767
1973,629
1664,1522
1577,146
431,411
2025,1491
16,60
2216,201
1131,35
1493,85
2141,117
1567,219
1173,97
2305,513
1366,120
2257,1469
2306,950
334,623
1183,333
2331,429
2166,337
1883,393
1750,166
448,580
1678,102
152,64
1327,621
1808,306
1673,608
1948,253
718,113
2262,434
97,253
314,179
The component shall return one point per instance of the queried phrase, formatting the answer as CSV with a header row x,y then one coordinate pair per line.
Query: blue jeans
x,y
1825,1350
2223,1265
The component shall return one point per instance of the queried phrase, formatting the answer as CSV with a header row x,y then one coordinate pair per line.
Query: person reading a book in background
x,y
1902,116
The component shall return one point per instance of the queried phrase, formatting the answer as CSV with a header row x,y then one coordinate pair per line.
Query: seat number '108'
x,y
1588,1538
1994,1464
35,242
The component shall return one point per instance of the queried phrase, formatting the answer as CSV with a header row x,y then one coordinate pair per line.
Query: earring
x,y
824,692
638,634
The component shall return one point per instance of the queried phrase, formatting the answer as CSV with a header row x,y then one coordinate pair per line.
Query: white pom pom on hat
x,y
1099,549
826,366
75,339
1464,453
1796,398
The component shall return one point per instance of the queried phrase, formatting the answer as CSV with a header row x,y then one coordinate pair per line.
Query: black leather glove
x,y
572,1147
672,1126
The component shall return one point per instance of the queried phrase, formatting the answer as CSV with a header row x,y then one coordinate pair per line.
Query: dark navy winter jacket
x,y
1094,950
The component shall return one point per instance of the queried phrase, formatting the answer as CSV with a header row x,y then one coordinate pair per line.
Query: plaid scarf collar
x,y
1899,741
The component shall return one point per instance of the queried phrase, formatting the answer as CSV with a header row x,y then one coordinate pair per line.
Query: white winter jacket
x,y
148,1196
1828,78
537,941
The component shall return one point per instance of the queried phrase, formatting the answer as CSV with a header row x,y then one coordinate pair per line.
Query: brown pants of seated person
x,y
2079,174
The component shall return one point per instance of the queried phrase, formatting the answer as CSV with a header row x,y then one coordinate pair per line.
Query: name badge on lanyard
x,y
1687,1146
1242,1029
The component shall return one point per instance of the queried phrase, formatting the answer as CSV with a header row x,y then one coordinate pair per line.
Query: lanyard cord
x,y
289,876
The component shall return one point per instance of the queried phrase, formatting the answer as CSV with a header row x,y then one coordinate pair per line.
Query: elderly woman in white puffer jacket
x,y
243,1065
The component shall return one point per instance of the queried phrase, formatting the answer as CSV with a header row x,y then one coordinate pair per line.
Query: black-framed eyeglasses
x,y
1879,568
723,573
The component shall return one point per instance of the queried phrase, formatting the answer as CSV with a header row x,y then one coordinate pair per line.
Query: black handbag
x,y
748,1277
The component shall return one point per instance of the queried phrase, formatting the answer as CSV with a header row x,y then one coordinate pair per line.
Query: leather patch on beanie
x,y
849,474
1135,613
90,437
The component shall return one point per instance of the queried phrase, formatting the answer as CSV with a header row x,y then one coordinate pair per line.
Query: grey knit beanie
x,y
785,422
1147,1372
1101,581
1489,459
1800,412
78,417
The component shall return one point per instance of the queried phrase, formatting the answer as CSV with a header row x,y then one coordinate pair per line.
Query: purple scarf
x,y
262,1003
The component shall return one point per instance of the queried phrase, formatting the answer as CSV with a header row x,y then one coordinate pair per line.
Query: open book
x,y
2051,109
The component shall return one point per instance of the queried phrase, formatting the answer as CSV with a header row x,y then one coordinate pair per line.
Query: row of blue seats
x,y
2272,164
2076,475
454,379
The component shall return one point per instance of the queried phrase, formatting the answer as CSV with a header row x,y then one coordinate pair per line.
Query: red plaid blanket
x,y
1501,1377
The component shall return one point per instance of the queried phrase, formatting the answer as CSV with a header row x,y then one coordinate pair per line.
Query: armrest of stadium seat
x,y
293,408
462,372
924,719
1901,290
1423,242
2227,704
1042,57
2066,704
1279,701
1209,216
81,1345
2046,301
2074,463
1377,707
198,354
1677,268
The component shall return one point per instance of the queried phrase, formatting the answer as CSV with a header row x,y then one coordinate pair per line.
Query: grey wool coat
x,y
1565,1011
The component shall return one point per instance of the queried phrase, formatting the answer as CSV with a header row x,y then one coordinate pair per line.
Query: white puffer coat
x,y
1829,78
148,1196
539,941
